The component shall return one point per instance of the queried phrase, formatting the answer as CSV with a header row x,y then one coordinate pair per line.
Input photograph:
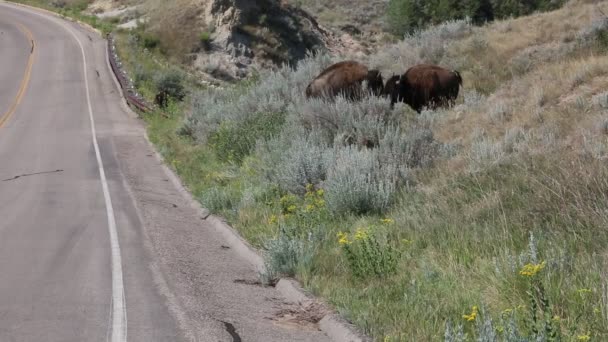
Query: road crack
x,y
31,174
232,331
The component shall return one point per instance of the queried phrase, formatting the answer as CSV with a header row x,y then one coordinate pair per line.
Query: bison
x,y
424,85
346,79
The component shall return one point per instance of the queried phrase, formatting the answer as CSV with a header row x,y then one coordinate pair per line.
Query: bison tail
x,y
458,77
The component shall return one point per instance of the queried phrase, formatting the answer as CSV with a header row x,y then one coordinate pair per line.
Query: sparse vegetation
x,y
205,39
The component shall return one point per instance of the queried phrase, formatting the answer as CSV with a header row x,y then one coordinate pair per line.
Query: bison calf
x,y
425,85
346,79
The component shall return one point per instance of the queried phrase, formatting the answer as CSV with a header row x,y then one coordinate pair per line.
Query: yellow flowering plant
x,y
472,316
530,270
387,221
583,338
366,256
288,204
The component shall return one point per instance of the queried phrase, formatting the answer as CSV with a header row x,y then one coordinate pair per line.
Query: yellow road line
x,y
26,78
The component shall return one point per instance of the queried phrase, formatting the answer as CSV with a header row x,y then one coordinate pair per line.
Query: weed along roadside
x,y
484,221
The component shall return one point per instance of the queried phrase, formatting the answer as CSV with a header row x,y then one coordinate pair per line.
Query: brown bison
x,y
346,79
424,85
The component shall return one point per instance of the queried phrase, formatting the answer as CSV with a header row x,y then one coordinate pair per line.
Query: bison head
x,y
375,82
391,89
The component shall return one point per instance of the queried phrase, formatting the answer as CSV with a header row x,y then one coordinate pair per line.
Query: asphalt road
x,y
96,244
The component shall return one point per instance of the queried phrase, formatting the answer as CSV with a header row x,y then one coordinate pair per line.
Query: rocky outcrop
x,y
228,39
248,34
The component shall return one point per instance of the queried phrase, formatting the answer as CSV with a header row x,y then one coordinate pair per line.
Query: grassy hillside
x,y
483,222
486,219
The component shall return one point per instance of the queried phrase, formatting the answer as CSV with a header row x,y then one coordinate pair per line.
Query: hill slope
x,y
491,212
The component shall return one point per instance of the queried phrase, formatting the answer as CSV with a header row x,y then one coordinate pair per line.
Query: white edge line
x,y
119,313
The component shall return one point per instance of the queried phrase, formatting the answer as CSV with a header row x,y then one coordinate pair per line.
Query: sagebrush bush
x,y
515,140
601,100
500,112
172,82
415,148
346,122
272,92
285,254
233,141
484,152
595,32
217,199
359,183
422,46
304,163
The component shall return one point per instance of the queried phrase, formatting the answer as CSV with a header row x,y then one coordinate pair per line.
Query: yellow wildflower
x,y
360,234
387,221
273,219
320,192
343,238
472,316
583,338
310,208
291,208
320,203
287,199
530,270
556,318
310,188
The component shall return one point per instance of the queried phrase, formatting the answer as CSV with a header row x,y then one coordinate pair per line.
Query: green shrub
x,y
366,256
304,163
217,199
287,254
172,82
408,15
234,140
359,183
149,41
205,39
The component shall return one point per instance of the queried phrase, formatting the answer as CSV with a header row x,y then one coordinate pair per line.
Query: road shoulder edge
x,y
332,324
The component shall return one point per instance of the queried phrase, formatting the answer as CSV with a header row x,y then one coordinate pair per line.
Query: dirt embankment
x,y
230,38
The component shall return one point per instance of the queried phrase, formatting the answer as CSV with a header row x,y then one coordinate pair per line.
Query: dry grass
x,y
366,15
176,23
546,93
